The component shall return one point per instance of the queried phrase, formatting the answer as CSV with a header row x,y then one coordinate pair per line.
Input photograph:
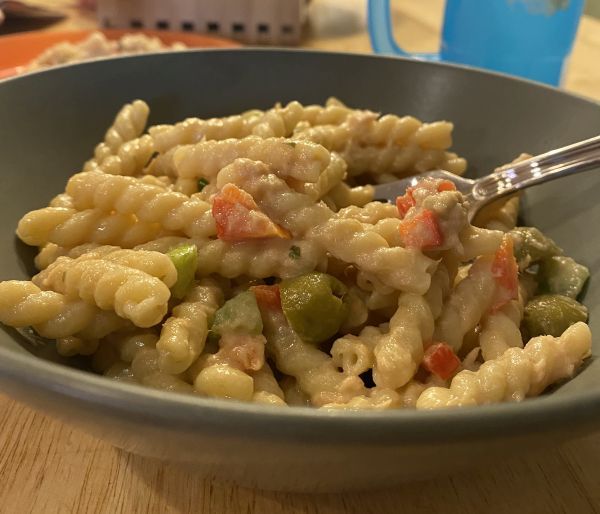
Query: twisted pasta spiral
x,y
69,228
517,373
131,293
149,203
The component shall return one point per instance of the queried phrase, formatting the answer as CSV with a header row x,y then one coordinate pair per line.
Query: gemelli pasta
x,y
245,258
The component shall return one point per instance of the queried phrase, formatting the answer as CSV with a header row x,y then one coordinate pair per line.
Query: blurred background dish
x,y
17,51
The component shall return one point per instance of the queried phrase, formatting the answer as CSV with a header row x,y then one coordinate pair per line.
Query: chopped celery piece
x,y
314,305
562,275
552,314
185,259
530,246
239,314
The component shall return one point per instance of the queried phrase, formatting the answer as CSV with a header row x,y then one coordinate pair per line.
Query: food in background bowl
x,y
244,258
98,45
40,49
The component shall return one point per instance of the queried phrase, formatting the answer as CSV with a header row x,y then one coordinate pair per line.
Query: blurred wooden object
x,y
46,467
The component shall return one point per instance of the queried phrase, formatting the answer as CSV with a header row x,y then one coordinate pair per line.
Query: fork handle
x,y
567,160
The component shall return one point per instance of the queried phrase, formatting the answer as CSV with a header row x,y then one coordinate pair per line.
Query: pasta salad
x,y
244,257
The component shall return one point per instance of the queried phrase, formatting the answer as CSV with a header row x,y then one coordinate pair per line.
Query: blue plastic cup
x,y
529,38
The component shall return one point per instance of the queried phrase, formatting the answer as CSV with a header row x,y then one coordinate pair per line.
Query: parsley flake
x,y
152,157
294,252
202,183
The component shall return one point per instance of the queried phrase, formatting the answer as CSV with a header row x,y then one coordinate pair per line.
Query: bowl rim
x,y
304,51
549,413
540,415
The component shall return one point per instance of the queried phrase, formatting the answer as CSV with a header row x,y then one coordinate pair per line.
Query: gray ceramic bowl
x,y
49,124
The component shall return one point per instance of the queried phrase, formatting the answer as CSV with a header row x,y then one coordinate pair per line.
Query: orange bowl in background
x,y
18,50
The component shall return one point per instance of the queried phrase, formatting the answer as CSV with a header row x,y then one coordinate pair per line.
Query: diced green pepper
x,y
314,305
552,314
185,259
562,275
239,314
530,246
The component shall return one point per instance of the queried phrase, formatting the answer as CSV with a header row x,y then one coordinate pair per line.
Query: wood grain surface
x,y
47,467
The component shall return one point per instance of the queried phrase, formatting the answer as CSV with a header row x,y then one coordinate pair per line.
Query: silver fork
x,y
575,158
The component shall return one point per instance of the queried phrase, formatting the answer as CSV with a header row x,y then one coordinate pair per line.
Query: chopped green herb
x,y
294,252
291,143
152,157
202,183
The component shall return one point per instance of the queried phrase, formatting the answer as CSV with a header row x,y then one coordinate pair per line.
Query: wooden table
x,y
47,467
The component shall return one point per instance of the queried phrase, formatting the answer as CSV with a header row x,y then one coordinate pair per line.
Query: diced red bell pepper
x,y
422,231
267,297
506,273
238,218
441,360
404,203
446,185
